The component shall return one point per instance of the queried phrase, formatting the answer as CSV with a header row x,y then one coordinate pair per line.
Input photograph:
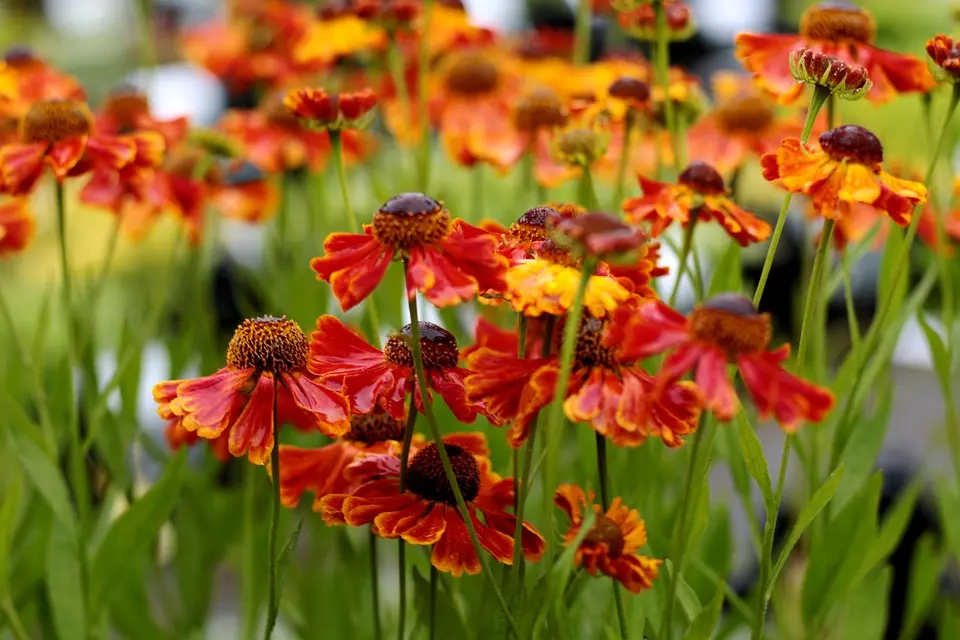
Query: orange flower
x,y
699,190
945,54
611,545
370,378
839,29
32,80
426,513
726,330
332,111
843,169
17,226
265,377
608,389
338,36
641,22
127,110
449,262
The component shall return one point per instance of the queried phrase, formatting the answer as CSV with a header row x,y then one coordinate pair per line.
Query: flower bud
x,y
843,80
944,52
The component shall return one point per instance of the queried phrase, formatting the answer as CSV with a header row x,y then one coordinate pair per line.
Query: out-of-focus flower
x,y
127,110
333,37
448,261
726,330
838,29
28,79
944,52
608,389
427,514
846,81
843,169
699,191
601,235
684,91
17,226
332,111
611,545
265,374
641,22
369,377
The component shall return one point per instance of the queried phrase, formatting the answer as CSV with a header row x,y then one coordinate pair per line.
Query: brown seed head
x,y
411,220
437,346
126,105
53,121
630,89
702,178
268,344
853,142
745,115
539,109
427,479
470,74
606,531
535,224
838,22
731,322
375,427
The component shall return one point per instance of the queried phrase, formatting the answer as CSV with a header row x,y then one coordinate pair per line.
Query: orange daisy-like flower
x,y
338,35
32,80
944,51
266,376
839,29
699,190
127,110
332,111
611,545
845,168
448,261
427,514
726,330
17,226
744,124
608,389
370,378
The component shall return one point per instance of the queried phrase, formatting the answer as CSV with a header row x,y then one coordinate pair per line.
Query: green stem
x,y
581,51
684,253
628,127
852,321
402,549
422,383
13,619
107,263
586,194
402,569
820,96
375,585
663,75
433,602
603,475
248,585
273,597
423,116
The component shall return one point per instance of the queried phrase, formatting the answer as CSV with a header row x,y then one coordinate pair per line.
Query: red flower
x,y
611,545
945,53
449,262
332,111
127,110
370,378
17,226
838,29
726,330
31,80
266,367
426,513
608,389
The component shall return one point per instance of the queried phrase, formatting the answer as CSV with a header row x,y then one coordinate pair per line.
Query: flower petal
x,y
319,407
774,391
353,264
252,432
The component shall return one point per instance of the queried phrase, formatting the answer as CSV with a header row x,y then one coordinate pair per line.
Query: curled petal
x,y
206,403
252,432
438,278
572,499
318,470
498,382
354,264
315,406
780,394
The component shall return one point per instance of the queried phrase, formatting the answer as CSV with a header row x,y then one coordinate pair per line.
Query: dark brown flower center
x,y
748,115
702,178
535,224
539,109
411,220
470,74
374,427
589,351
54,121
837,22
20,57
731,322
269,344
854,143
437,345
632,89
426,478
126,106
557,254
608,532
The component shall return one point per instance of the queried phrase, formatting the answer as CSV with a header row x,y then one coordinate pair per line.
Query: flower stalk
x,y
604,481
423,116
662,56
273,595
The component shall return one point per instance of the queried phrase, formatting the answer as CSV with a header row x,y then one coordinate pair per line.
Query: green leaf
x,y
866,610
892,529
699,511
448,623
65,584
9,510
559,576
756,462
938,350
685,593
948,502
925,569
728,274
864,447
889,265
132,533
703,625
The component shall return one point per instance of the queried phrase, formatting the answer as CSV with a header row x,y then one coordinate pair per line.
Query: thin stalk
x,y
423,62
673,577
248,587
586,194
527,176
101,282
402,568
684,253
820,96
602,473
434,575
283,213
663,76
402,548
852,321
422,383
375,585
521,353
628,127
273,597
581,47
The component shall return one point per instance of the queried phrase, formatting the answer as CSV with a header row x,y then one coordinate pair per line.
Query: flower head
x,y
17,226
601,235
641,22
611,545
817,69
265,379
332,111
541,109
944,52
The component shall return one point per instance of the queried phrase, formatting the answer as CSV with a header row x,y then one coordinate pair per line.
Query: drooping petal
x,y
893,73
653,329
740,224
775,392
361,510
767,57
453,553
438,278
573,501
252,432
353,264
21,165
429,527
318,470
319,407
498,381
530,539
488,335
712,379
474,251
206,403
64,155
449,383
17,226
536,395
635,573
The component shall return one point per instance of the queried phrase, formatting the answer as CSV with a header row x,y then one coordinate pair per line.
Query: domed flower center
x,y
589,351
535,224
580,146
557,254
631,89
471,74
269,344
374,427
731,322
837,22
854,143
54,121
20,57
747,115
608,532
126,106
426,478
437,345
411,220
539,109
702,178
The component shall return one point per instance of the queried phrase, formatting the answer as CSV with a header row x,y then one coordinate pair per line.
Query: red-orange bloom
x,y
369,377
611,545
843,169
699,190
608,388
945,53
17,226
426,513
332,111
726,330
266,368
31,80
839,29
448,262
642,21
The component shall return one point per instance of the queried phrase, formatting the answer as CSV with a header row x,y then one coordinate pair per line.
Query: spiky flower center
x,y
426,478
837,22
608,532
702,178
375,427
747,115
731,322
535,224
854,143
53,121
437,346
411,220
556,253
268,344
471,74
539,109
589,351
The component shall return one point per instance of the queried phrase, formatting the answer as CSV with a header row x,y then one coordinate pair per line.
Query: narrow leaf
x,y
925,570
9,510
753,455
892,529
703,625
65,584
